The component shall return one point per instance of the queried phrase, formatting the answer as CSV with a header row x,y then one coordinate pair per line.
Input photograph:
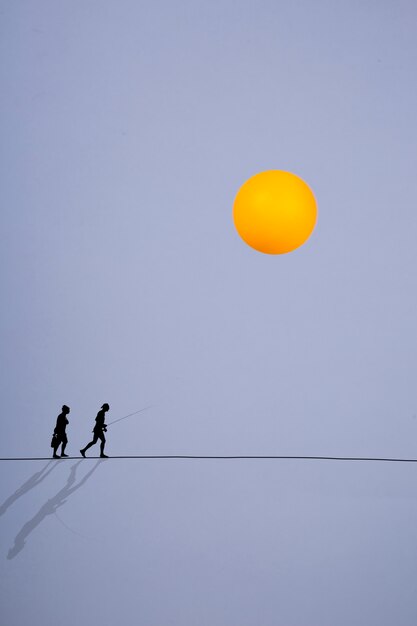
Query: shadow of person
x,y
31,483
50,507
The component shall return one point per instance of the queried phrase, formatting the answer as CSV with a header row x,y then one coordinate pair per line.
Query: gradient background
x,y
127,129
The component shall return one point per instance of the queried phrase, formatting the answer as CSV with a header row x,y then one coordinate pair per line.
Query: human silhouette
x,y
60,436
99,429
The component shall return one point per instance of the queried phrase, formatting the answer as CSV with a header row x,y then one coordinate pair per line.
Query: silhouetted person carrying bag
x,y
60,436
99,430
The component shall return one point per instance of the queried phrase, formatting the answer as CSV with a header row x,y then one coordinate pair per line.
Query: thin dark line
x,y
224,457
130,415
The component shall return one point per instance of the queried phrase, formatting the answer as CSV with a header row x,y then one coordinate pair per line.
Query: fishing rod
x,y
130,415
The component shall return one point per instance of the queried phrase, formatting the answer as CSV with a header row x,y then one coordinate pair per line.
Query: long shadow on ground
x,y
50,507
27,486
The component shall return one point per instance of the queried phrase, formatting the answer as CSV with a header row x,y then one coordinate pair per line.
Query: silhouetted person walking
x,y
99,429
60,436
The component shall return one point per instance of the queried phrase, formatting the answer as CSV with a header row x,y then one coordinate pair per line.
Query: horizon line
x,y
219,457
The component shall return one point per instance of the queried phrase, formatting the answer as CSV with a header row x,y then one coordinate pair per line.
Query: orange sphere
x,y
275,212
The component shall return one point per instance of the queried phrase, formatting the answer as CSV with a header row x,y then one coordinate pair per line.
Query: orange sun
x,y
275,212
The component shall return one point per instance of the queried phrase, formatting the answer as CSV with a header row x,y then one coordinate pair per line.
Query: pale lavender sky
x,y
127,129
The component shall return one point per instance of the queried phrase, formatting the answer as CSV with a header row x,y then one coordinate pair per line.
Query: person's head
x,y
65,409
105,407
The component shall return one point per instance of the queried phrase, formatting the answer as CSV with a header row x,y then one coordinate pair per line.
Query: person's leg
x,y
64,444
83,450
103,443
56,446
